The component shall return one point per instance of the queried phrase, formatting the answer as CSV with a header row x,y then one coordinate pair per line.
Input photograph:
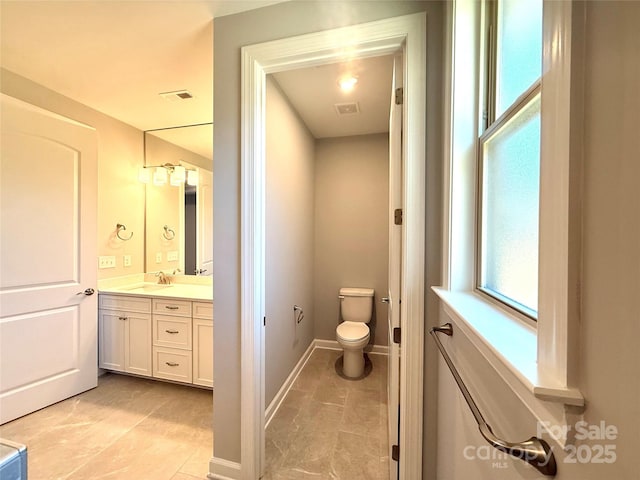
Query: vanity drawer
x,y
173,332
125,302
203,310
172,364
172,307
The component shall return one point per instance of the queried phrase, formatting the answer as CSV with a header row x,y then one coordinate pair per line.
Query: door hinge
x,y
264,321
396,335
397,216
395,453
399,96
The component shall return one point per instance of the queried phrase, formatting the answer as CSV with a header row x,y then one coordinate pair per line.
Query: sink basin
x,y
146,288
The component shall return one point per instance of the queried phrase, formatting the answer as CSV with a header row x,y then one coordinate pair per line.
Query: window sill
x,y
510,346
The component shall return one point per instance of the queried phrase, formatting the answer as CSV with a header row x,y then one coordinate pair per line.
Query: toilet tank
x,y
356,304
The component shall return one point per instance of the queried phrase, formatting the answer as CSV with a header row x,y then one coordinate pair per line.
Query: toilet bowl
x,y
353,333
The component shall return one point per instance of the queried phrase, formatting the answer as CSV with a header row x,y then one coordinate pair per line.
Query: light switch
x,y
172,256
159,257
127,260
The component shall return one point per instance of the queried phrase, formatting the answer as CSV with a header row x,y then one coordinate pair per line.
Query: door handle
x,y
386,300
88,291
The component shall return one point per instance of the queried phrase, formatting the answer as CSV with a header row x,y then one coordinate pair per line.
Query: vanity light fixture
x,y
176,175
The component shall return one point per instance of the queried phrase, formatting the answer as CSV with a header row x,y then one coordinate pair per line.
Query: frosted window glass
x,y
511,177
519,49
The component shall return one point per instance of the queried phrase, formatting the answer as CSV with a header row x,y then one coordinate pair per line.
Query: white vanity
x,y
158,331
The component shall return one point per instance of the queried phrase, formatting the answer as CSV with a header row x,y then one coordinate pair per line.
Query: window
x,y
509,156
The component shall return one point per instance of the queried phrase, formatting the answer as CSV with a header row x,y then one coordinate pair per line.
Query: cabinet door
x,y
112,326
203,352
138,344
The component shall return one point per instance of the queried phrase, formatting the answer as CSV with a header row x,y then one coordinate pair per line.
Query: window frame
x,y
489,127
538,362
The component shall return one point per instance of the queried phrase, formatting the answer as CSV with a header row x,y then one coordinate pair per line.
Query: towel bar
x,y
535,451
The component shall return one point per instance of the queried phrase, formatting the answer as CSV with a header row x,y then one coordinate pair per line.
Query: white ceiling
x,y
314,92
117,56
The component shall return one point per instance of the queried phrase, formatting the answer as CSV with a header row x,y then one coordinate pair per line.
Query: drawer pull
x,y
171,307
172,331
122,318
172,364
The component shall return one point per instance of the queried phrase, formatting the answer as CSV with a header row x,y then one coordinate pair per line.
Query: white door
x,y
48,314
395,257
204,261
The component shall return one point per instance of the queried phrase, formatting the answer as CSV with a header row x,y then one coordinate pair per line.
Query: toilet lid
x,y
352,330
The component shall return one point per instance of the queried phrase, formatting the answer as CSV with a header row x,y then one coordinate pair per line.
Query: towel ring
x,y
119,228
169,234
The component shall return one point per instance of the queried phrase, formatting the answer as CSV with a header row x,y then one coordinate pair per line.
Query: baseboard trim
x,y
334,345
221,469
286,386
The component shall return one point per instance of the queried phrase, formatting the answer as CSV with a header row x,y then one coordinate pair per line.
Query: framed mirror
x,y
179,201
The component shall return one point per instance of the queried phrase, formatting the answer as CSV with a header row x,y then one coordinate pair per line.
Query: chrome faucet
x,y
163,278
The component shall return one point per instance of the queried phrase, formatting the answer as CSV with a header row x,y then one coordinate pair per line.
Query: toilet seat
x,y
352,332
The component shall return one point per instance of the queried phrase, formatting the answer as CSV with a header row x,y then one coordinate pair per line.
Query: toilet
x,y
356,306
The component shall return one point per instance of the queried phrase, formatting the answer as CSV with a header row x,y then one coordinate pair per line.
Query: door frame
x,y
358,41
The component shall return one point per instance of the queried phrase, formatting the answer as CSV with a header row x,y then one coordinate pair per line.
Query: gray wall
x,y
230,34
352,228
289,238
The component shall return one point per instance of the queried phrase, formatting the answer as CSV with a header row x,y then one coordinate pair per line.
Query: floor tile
x,y
126,428
329,427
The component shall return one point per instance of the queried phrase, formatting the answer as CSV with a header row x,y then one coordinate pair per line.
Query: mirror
x,y
179,216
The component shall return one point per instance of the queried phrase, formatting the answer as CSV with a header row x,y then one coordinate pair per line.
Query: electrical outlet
x,y
159,257
107,261
172,256
127,260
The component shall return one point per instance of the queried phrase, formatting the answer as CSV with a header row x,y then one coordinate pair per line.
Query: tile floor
x,y
136,429
329,427
126,429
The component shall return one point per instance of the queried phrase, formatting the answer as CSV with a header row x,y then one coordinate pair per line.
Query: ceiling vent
x,y
347,108
177,95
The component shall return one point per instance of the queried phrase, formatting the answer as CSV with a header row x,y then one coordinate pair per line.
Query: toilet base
x,y
368,368
353,363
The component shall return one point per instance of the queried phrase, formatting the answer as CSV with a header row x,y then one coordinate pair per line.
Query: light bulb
x,y
144,175
347,83
192,178
178,176
160,176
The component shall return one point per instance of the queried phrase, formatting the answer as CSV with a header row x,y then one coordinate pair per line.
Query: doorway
x,y
327,227
371,39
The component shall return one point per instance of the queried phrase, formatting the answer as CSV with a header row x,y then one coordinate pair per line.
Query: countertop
x,y
178,291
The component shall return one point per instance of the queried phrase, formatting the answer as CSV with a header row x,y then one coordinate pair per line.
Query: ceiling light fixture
x,y
176,175
347,83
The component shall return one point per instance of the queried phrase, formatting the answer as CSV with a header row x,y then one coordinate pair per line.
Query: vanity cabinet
x,y
164,338
124,329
